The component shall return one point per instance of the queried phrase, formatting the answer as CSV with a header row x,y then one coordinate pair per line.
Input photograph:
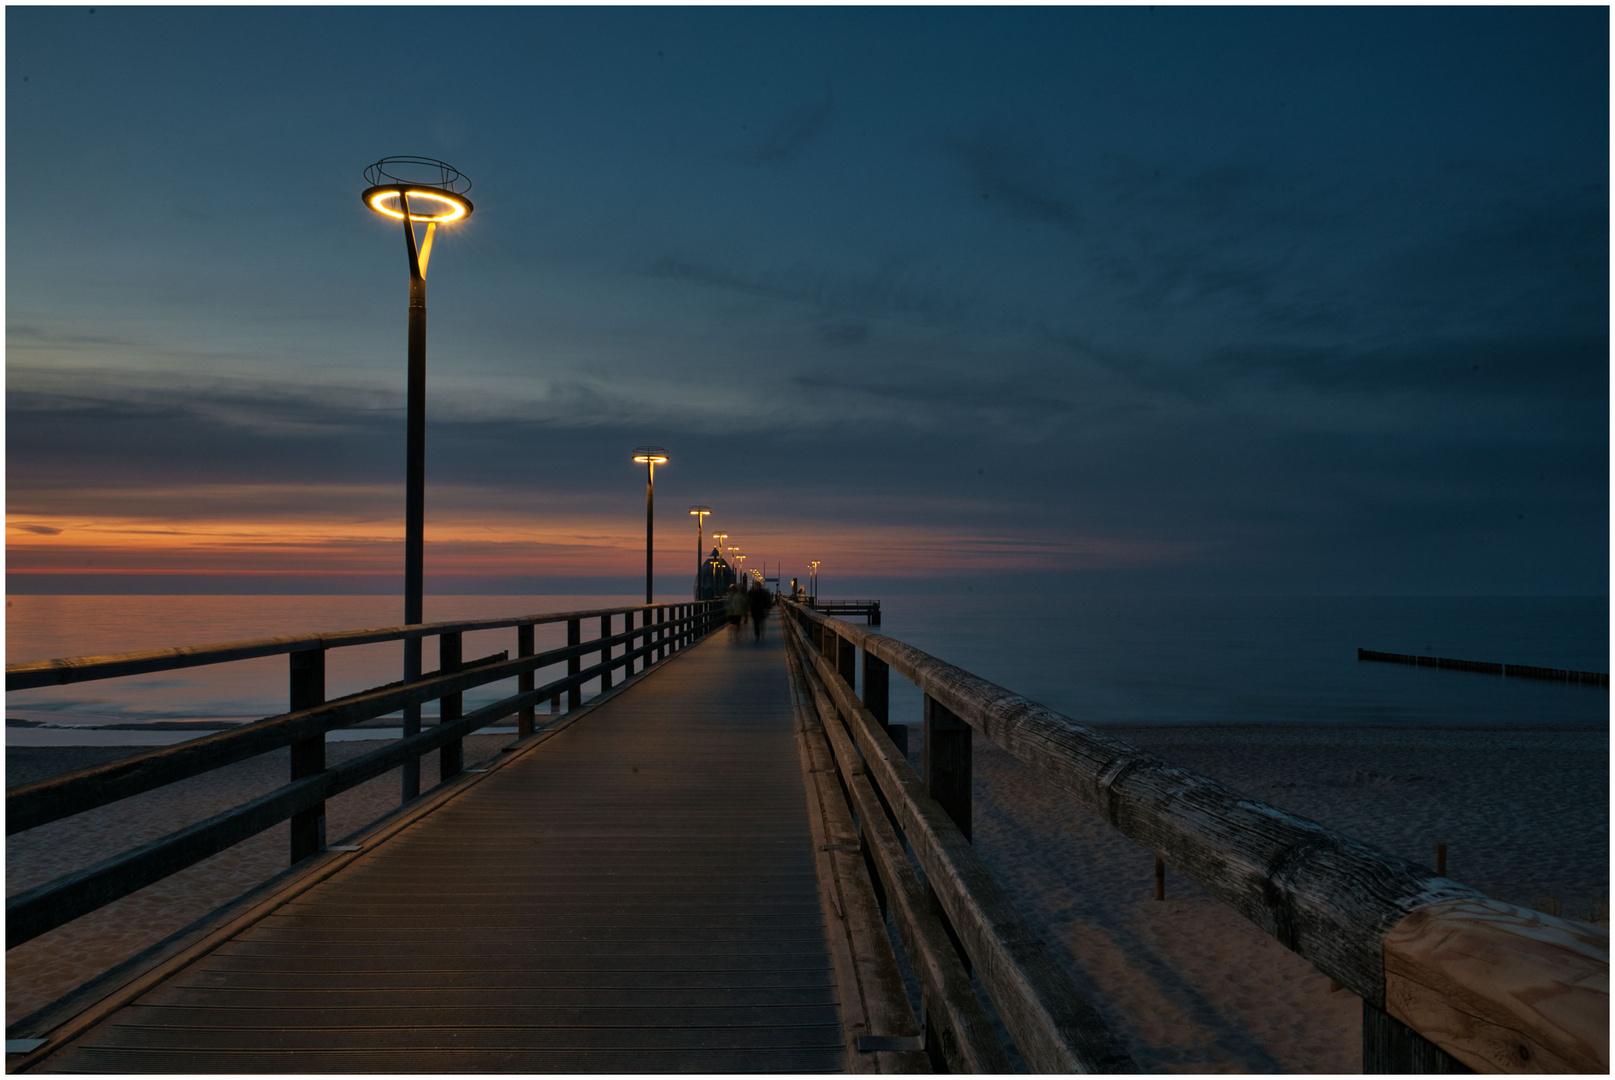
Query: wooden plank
x,y
1318,892
1390,1046
1054,1027
1502,988
516,817
873,999
448,1059
966,1040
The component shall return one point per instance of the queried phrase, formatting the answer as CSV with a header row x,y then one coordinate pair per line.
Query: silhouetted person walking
x,y
759,608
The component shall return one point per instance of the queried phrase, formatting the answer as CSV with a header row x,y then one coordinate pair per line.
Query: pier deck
x,y
635,893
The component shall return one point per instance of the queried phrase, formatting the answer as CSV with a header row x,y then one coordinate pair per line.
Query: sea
x,y
1100,660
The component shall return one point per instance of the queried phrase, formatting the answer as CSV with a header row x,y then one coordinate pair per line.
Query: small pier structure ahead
x,y
716,864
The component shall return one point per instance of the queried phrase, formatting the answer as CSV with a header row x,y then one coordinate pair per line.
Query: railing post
x,y
877,698
605,653
574,663
1390,1046
409,773
524,681
307,689
628,646
451,759
947,762
661,634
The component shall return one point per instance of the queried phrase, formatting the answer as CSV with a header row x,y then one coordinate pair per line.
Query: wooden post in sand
x,y
308,755
1441,859
1160,878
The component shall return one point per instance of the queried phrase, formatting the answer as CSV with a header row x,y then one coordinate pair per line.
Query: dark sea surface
x,y
1190,660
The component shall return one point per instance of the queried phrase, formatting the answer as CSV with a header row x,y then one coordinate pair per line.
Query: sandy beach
x,y
1190,985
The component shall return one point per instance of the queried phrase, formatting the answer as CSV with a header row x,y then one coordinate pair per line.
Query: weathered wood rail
x,y
663,629
1451,980
1490,667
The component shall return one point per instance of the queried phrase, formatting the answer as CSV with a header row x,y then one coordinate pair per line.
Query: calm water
x,y
1106,660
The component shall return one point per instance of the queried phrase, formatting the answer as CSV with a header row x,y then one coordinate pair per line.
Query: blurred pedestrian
x,y
759,608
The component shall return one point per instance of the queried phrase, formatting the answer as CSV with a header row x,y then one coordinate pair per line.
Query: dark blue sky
x,y
1265,299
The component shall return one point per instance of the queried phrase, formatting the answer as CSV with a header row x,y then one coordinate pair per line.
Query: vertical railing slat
x,y
451,758
948,762
307,689
574,664
524,682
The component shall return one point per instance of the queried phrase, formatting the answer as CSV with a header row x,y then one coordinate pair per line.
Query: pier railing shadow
x,y
663,630
1450,979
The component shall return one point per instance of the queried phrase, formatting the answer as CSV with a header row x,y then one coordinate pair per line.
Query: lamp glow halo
x,y
650,455
445,206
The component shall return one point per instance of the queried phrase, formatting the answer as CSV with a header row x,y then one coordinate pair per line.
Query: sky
x,y
1277,300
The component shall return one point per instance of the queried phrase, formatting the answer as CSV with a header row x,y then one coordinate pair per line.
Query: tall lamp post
x,y
813,581
416,190
700,514
650,457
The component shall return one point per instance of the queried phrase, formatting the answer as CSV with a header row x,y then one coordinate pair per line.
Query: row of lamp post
x,y
424,191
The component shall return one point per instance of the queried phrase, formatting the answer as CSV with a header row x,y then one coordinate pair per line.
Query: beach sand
x,y
1190,985
1193,987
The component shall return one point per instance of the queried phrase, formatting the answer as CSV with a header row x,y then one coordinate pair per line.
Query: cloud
x,y
1014,171
785,138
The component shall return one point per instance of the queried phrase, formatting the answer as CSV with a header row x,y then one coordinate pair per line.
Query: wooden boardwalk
x,y
636,893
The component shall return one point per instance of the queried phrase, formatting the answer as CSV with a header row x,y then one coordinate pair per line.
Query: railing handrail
x,y
1353,911
65,898
28,674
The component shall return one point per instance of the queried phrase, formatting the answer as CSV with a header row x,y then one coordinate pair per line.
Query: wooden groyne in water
x,y
1487,667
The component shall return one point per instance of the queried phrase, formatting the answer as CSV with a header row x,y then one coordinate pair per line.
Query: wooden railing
x,y
663,629
1451,980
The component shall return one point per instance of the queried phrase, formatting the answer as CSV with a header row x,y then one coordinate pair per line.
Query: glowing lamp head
x,y
700,511
650,455
435,190
425,204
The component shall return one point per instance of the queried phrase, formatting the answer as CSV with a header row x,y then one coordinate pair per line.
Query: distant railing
x,y
1451,980
663,630
869,609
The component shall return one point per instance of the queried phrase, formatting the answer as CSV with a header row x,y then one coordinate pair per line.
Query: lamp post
x,y
813,582
700,514
438,190
650,457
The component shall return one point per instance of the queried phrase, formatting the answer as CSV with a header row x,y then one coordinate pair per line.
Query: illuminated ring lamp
x,y
412,191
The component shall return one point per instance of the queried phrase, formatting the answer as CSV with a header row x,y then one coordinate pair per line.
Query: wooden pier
x,y
720,863
634,893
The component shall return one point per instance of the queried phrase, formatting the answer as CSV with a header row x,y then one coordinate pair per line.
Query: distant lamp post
x,y
813,581
650,457
700,514
416,190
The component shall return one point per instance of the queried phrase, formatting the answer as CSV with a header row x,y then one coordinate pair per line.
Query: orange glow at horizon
x,y
342,531
103,546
